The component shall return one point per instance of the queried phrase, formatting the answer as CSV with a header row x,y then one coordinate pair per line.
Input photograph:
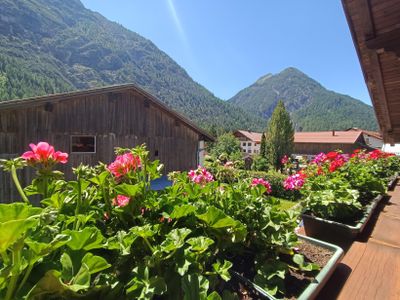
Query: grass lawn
x,y
286,204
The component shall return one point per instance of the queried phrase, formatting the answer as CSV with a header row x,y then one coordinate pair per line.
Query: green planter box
x,y
392,182
320,280
336,232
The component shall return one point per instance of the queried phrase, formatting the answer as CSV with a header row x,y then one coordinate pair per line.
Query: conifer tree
x,y
280,136
263,146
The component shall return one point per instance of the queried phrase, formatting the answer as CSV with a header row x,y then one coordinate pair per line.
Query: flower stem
x,y
17,184
26,276
16,257
148,244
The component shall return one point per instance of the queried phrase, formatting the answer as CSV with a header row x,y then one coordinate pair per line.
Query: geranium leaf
x,y
182,211
86,239
175,239
214,296
223,269
15,220
67,272
95,263
130,190
200,243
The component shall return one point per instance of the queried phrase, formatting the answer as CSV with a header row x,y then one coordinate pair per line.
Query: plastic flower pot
x,y
336,232
392,182
316,285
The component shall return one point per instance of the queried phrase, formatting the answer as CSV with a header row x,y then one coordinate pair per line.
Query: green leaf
x,y
56,200
200,243
271,276
214,296
81,280
130,190
144,287
182,211
216,218
95,263
144,231
86,239
182,264
67,272
100,179
121,241
223,269
299,260
48,285
42,248
15,220
175,239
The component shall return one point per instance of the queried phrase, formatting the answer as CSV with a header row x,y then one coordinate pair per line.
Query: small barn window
x,y
156,153
48,107
83,144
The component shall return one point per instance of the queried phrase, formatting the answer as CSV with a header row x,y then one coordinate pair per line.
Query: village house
x,y
373,139
249,141
313,143
90,124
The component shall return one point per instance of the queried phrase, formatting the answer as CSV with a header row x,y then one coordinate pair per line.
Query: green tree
x,y
280,136
263,146
227,145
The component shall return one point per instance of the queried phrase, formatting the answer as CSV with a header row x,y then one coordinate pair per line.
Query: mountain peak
x,y
262,79
312,107
291,70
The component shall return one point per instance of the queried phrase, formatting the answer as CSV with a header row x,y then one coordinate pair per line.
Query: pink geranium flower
x,y
121,201
285,160
200,176
123,164
44,153
294,182
261,181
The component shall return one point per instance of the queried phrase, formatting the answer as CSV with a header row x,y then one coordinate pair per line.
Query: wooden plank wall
x,y
124,119
316,148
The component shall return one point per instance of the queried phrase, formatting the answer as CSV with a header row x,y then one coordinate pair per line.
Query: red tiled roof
x,y
253,136
327,137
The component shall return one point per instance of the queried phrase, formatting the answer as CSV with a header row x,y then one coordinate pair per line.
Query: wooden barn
x,y
89,124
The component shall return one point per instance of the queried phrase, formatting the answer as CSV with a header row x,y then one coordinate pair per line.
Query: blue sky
x,y
226,45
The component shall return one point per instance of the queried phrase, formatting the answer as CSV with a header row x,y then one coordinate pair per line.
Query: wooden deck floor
x,y
370,268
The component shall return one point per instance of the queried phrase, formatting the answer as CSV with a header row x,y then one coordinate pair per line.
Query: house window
x,y
83,144
244,144
244,150
249,151
248,144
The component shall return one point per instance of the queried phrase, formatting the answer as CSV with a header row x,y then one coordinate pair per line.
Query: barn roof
x,y
327,137
253,136
375,28
374,134
33,101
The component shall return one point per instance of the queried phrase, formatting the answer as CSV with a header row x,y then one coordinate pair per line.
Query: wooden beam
x,y
389,41
375,71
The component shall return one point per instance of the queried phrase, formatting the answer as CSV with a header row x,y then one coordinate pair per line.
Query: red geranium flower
x,y
124,164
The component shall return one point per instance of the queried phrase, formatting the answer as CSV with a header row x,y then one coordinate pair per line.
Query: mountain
x,y
49,46
312,107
